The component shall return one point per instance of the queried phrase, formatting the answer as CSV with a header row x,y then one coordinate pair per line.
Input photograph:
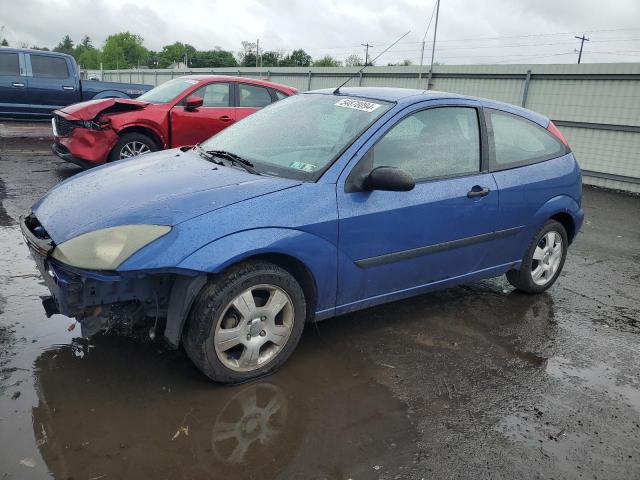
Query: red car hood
x,y
90,110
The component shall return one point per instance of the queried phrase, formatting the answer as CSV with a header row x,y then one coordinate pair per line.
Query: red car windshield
x,y
167,91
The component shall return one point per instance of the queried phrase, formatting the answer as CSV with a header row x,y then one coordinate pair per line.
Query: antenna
x,y
337,90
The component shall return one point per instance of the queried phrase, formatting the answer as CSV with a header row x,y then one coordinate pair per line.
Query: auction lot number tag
x,y
357,104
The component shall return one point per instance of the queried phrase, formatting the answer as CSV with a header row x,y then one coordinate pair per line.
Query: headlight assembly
x,y
107,248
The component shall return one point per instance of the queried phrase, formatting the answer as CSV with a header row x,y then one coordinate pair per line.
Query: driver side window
x,y
214,95
432,143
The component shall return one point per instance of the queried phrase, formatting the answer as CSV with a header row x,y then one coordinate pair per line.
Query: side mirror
x,y
391,179
193,103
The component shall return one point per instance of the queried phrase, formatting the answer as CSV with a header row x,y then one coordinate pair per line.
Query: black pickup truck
x,y
33,83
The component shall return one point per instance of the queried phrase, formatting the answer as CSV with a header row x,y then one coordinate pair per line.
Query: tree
x,y
213,58
124,50
65,46
86,54
405,63
175,53
353,61
4,43
326,61
270,59
297,58
35,47
248,60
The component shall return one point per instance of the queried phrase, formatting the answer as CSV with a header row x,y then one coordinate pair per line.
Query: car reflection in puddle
x,y
124,410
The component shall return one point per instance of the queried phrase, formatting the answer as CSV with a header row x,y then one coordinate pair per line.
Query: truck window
x,y
9,64
43,66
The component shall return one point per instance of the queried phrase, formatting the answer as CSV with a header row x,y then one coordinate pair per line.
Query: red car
x,y
183,111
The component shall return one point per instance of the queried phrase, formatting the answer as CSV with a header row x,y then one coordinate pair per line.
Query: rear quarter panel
x,y
529,195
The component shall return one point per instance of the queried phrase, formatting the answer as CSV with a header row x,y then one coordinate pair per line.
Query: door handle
x,y
17,84
67,87
226,118
478,191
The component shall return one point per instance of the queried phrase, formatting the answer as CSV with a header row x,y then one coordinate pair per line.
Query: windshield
x,y
167,91
300,136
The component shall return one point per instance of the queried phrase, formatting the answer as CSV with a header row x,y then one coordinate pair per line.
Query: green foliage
x,y
65,46
297,58
353,61
327,61
248,60
270,59
86,54
124,50
212,59
4,43
175,53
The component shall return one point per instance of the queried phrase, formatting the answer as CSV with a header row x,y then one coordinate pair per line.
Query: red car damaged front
x,y
85,133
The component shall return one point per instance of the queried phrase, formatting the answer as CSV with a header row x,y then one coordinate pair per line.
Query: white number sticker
x,y
357,104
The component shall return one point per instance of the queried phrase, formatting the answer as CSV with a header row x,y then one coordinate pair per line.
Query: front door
x,y
13,84
215,114
393,242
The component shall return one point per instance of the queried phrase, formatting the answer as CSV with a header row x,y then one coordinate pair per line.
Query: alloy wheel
x,y
132,149
546,258
254,328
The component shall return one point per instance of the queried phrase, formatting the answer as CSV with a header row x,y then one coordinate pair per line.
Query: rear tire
x,y
543,262
245,323
132,144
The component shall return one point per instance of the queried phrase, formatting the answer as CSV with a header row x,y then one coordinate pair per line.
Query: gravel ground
x,y
476,381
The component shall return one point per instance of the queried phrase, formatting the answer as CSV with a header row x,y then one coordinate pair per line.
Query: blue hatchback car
x,y
320,204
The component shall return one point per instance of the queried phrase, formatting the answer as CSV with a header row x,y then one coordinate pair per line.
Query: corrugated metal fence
x,y
597,106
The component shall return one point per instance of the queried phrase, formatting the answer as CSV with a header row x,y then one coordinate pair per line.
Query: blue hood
x,y
163,188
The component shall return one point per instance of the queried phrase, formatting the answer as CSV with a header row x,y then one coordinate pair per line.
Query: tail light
x,y
553,130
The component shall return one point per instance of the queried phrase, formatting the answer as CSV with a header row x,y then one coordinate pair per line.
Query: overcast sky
x,y
483,31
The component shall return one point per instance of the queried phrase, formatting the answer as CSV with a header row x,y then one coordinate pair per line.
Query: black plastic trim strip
x,y
438,247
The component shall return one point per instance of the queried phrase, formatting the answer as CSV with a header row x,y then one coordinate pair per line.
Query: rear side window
x,y
213,95
433,143
280,95
518,141
252,96
49,67
9,64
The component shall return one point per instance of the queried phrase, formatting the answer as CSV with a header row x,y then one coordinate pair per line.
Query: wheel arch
x,y
144,130
563,209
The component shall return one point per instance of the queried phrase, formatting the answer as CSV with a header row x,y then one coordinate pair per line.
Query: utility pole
x,y
582,40
433,47
366,52
257,51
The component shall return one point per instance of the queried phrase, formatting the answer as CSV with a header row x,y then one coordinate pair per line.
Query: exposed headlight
x,y
106,249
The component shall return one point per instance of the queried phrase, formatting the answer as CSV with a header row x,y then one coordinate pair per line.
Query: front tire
x,y
245,323
131,145
543,262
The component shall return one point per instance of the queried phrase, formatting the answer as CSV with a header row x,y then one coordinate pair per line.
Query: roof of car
x,y
231,78
410,95
31,50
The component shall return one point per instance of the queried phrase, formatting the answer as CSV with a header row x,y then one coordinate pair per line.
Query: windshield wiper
x,y
234,159
204,154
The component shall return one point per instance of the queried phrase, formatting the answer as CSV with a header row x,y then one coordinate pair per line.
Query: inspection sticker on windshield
x,y
357,104
305,167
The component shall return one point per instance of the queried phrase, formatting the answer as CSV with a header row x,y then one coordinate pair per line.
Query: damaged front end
x,y
83,132
129,303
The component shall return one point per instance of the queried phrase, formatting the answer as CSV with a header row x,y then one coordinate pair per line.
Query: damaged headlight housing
x,y
107,248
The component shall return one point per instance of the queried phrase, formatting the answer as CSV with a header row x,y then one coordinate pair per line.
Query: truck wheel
x,y
245,323
543,262
132,144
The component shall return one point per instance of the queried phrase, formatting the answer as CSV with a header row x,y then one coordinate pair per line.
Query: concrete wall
x,y
596,106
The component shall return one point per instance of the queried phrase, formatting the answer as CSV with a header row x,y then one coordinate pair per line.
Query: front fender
x,y
319,255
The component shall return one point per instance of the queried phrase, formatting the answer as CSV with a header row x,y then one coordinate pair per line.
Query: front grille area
x,y
64,126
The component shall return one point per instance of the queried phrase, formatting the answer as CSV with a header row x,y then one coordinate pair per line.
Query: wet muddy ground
x,y
472,382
